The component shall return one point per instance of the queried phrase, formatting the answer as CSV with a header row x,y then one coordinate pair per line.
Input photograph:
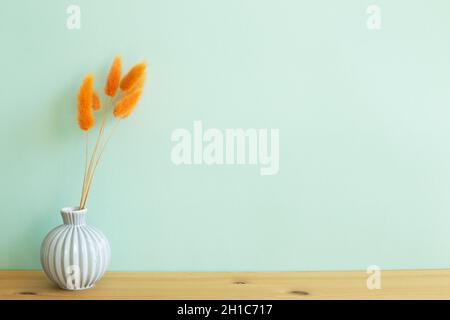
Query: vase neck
x,y
74,216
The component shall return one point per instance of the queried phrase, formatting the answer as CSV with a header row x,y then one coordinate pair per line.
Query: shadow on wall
x,y
50,140
24,249
60,126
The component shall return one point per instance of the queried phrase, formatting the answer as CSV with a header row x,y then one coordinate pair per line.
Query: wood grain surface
x,y
418,284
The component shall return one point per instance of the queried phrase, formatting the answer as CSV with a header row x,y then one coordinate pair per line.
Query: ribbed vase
x,y
75,255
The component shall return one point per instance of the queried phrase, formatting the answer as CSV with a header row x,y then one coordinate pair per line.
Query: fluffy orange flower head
x,y
126,105
96,105
135,76
113,81
86,118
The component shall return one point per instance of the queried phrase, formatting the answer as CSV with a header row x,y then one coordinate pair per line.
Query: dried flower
x,y
133,77
113,81
127,104
139,84
96,105
86,118
132,86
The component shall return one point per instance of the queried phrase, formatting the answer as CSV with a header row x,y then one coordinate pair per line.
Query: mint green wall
x,y
364,119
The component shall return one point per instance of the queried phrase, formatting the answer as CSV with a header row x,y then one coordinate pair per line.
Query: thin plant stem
x,y
85,167
89,169
91,162
102,150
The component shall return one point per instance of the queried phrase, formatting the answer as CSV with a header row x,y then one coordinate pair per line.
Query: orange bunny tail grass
x,y
134,76
86,118
96,105
113,81
139,84
126,105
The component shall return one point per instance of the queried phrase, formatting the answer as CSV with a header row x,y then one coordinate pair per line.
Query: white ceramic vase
x,y
75,255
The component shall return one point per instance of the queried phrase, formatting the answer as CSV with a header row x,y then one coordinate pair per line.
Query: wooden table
x,y
420,284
